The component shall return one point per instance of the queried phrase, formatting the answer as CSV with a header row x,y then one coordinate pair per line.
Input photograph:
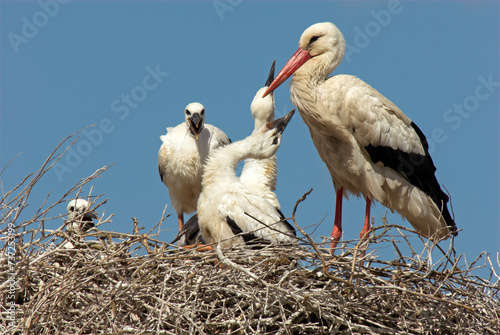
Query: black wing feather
x,y
418,169
290,227
249,238
159,171
191,232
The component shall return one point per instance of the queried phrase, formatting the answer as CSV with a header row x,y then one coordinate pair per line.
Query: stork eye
x,y
313,39
72,208
275,141
188,113
203,112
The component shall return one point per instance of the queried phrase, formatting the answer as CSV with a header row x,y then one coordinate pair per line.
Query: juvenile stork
x,y
369,146
260,175
80,217
229,212
182,155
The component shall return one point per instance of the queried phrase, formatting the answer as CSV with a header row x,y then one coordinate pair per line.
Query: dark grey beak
x,y
270,77
88,216
196,123
281,123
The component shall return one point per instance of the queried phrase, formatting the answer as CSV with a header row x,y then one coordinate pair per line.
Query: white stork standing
x,y
229,212
182,155
80,217
369,146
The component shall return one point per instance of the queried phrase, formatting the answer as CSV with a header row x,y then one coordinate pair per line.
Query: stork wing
x,y
163,155
244,213
390,138
376,121
168,147
217,137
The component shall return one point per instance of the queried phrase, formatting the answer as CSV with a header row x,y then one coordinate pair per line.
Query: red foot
x,y
199,247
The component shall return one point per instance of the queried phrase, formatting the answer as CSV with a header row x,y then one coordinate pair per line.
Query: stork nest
x,y
53,282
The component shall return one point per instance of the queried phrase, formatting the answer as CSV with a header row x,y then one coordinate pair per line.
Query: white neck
x,y
222,162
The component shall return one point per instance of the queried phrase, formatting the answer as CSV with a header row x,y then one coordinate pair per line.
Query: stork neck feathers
x,y
262,108
222,162
317,69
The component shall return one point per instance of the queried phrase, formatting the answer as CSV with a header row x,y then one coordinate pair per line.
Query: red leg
x,y
366,228
337,224
180,218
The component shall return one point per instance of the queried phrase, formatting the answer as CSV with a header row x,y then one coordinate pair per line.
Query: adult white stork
x,y
182,155
369,146
260,175
229,213
80,217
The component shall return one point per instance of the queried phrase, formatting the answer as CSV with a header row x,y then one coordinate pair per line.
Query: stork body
x,y
229,212
369,146
260,175
80,217
181,157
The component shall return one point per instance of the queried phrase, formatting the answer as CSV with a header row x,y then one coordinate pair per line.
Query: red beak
x,y
299,57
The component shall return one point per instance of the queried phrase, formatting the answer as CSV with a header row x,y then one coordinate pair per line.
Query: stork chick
x,y
182,155
80,217
260,175
229,212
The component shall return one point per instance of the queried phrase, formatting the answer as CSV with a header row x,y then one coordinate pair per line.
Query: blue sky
x,y
131,68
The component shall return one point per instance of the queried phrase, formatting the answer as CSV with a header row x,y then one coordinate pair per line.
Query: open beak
x,y
281,123
299,57
88,216
196,124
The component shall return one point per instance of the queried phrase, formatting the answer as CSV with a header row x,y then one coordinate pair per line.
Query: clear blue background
x,y
428,57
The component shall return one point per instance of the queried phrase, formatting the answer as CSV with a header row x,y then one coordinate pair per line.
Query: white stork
x,y
260,175
182,155
369,146
80,217
229,213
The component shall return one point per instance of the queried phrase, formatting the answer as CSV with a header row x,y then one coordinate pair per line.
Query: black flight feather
x,y
418,169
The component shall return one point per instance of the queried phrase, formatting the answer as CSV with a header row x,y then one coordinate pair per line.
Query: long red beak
x,y
299,57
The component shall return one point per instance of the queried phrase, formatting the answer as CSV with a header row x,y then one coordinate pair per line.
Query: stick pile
x,y
117,283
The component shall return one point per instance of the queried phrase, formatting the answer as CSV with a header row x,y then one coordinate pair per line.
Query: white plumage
x,y
80,217
260,175
227,207
182,155
369,146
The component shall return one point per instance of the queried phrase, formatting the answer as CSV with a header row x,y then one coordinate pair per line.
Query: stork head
x,y
195,118
269,135
321,49
262,108
78,210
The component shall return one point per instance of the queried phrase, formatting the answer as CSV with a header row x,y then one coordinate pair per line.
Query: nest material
x,y
134,284
98,287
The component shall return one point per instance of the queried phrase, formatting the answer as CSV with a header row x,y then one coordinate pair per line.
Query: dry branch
x,y
119,283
